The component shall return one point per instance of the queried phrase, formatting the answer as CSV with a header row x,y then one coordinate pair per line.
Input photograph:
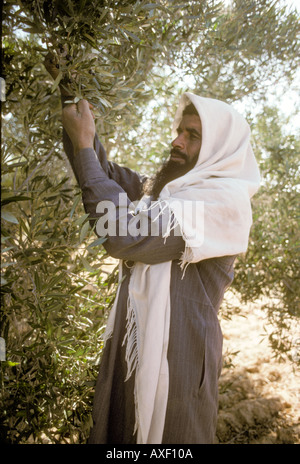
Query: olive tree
x,y
131,60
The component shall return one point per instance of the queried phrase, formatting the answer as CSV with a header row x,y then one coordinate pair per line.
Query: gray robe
x,y
195,341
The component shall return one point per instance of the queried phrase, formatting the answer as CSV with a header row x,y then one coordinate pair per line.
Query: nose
x,y
179,142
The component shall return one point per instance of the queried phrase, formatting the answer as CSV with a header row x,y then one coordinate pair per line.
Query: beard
x,y
169,171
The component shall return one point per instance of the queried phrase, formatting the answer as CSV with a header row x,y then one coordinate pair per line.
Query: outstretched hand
x,y
78,121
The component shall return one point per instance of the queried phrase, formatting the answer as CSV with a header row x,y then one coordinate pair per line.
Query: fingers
x,y
81,108
69,111
84,107
79,124
91,109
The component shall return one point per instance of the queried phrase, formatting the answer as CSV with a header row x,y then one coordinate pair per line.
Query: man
x,y
158,380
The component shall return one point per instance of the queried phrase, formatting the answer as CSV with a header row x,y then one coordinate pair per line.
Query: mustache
x,y
176,151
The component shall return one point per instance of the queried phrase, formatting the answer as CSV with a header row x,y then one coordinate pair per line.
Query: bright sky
x,y
293,3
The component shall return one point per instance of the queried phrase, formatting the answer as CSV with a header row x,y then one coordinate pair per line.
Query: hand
x,y
78,120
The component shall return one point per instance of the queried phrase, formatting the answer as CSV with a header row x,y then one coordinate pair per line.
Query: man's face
x,y
186,146
184,154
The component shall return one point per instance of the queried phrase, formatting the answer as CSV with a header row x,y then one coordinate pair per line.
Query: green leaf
x,y
37,281
84,230
87,265
11,364
4,265
97,242
76,201
104,73
89,39
105,102
32,30
57,81
56,279
81,219
5,201
7,216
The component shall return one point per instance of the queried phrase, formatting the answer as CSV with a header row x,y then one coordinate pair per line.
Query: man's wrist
x,y
83,146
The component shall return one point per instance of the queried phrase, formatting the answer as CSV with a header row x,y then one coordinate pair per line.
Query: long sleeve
x,y
98,189
130,181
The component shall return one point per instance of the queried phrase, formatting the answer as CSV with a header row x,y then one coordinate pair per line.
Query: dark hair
x,y
190,109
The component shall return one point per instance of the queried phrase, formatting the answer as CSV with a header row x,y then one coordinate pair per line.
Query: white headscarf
x,y
221,184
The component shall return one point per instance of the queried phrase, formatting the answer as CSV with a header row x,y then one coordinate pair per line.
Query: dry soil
x,y
259,395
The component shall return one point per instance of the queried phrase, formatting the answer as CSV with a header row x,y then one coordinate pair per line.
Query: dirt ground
x,y
259,395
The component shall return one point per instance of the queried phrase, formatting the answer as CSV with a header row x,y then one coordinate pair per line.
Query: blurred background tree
x,y
131,60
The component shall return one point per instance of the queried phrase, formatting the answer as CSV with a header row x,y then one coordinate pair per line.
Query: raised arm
x,y
129,180
99,189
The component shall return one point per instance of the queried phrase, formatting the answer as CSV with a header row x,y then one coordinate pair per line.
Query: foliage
x,y
54,305
244,51
131,61
271,265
